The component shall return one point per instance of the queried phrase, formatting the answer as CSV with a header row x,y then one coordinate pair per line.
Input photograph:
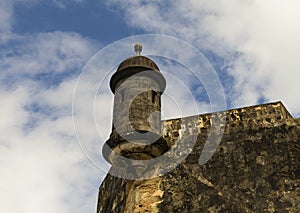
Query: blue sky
x,y
92,19
45,45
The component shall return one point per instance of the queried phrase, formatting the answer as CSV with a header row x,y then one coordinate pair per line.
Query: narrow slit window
x,y
153,96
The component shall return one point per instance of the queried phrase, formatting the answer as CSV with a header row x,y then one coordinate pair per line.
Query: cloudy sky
x,y
55,102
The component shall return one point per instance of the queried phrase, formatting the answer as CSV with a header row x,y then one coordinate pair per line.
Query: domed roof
x,y
137,64
138,61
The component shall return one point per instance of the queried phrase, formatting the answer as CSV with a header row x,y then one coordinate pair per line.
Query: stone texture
x,y
255,168
137,85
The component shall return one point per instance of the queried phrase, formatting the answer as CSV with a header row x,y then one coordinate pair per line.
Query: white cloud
x,y
7,16
46,53
258,40
43,168
178,100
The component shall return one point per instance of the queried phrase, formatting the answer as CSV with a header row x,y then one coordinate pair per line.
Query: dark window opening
x,y
153,96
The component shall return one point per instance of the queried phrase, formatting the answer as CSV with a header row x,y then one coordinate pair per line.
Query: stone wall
x,y
255,168
266,115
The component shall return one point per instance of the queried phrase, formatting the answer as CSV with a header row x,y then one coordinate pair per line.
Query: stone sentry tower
x,y
136,132
256,167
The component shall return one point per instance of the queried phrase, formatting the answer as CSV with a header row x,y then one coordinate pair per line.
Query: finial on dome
x,y
138,49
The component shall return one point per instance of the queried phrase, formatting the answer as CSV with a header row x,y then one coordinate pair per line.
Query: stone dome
x,y
137,64
138,61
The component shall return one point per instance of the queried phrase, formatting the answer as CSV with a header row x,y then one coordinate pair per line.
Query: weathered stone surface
x,y
256,167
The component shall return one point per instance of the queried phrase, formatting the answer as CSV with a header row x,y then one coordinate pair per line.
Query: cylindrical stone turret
x,y
136,134
137,86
